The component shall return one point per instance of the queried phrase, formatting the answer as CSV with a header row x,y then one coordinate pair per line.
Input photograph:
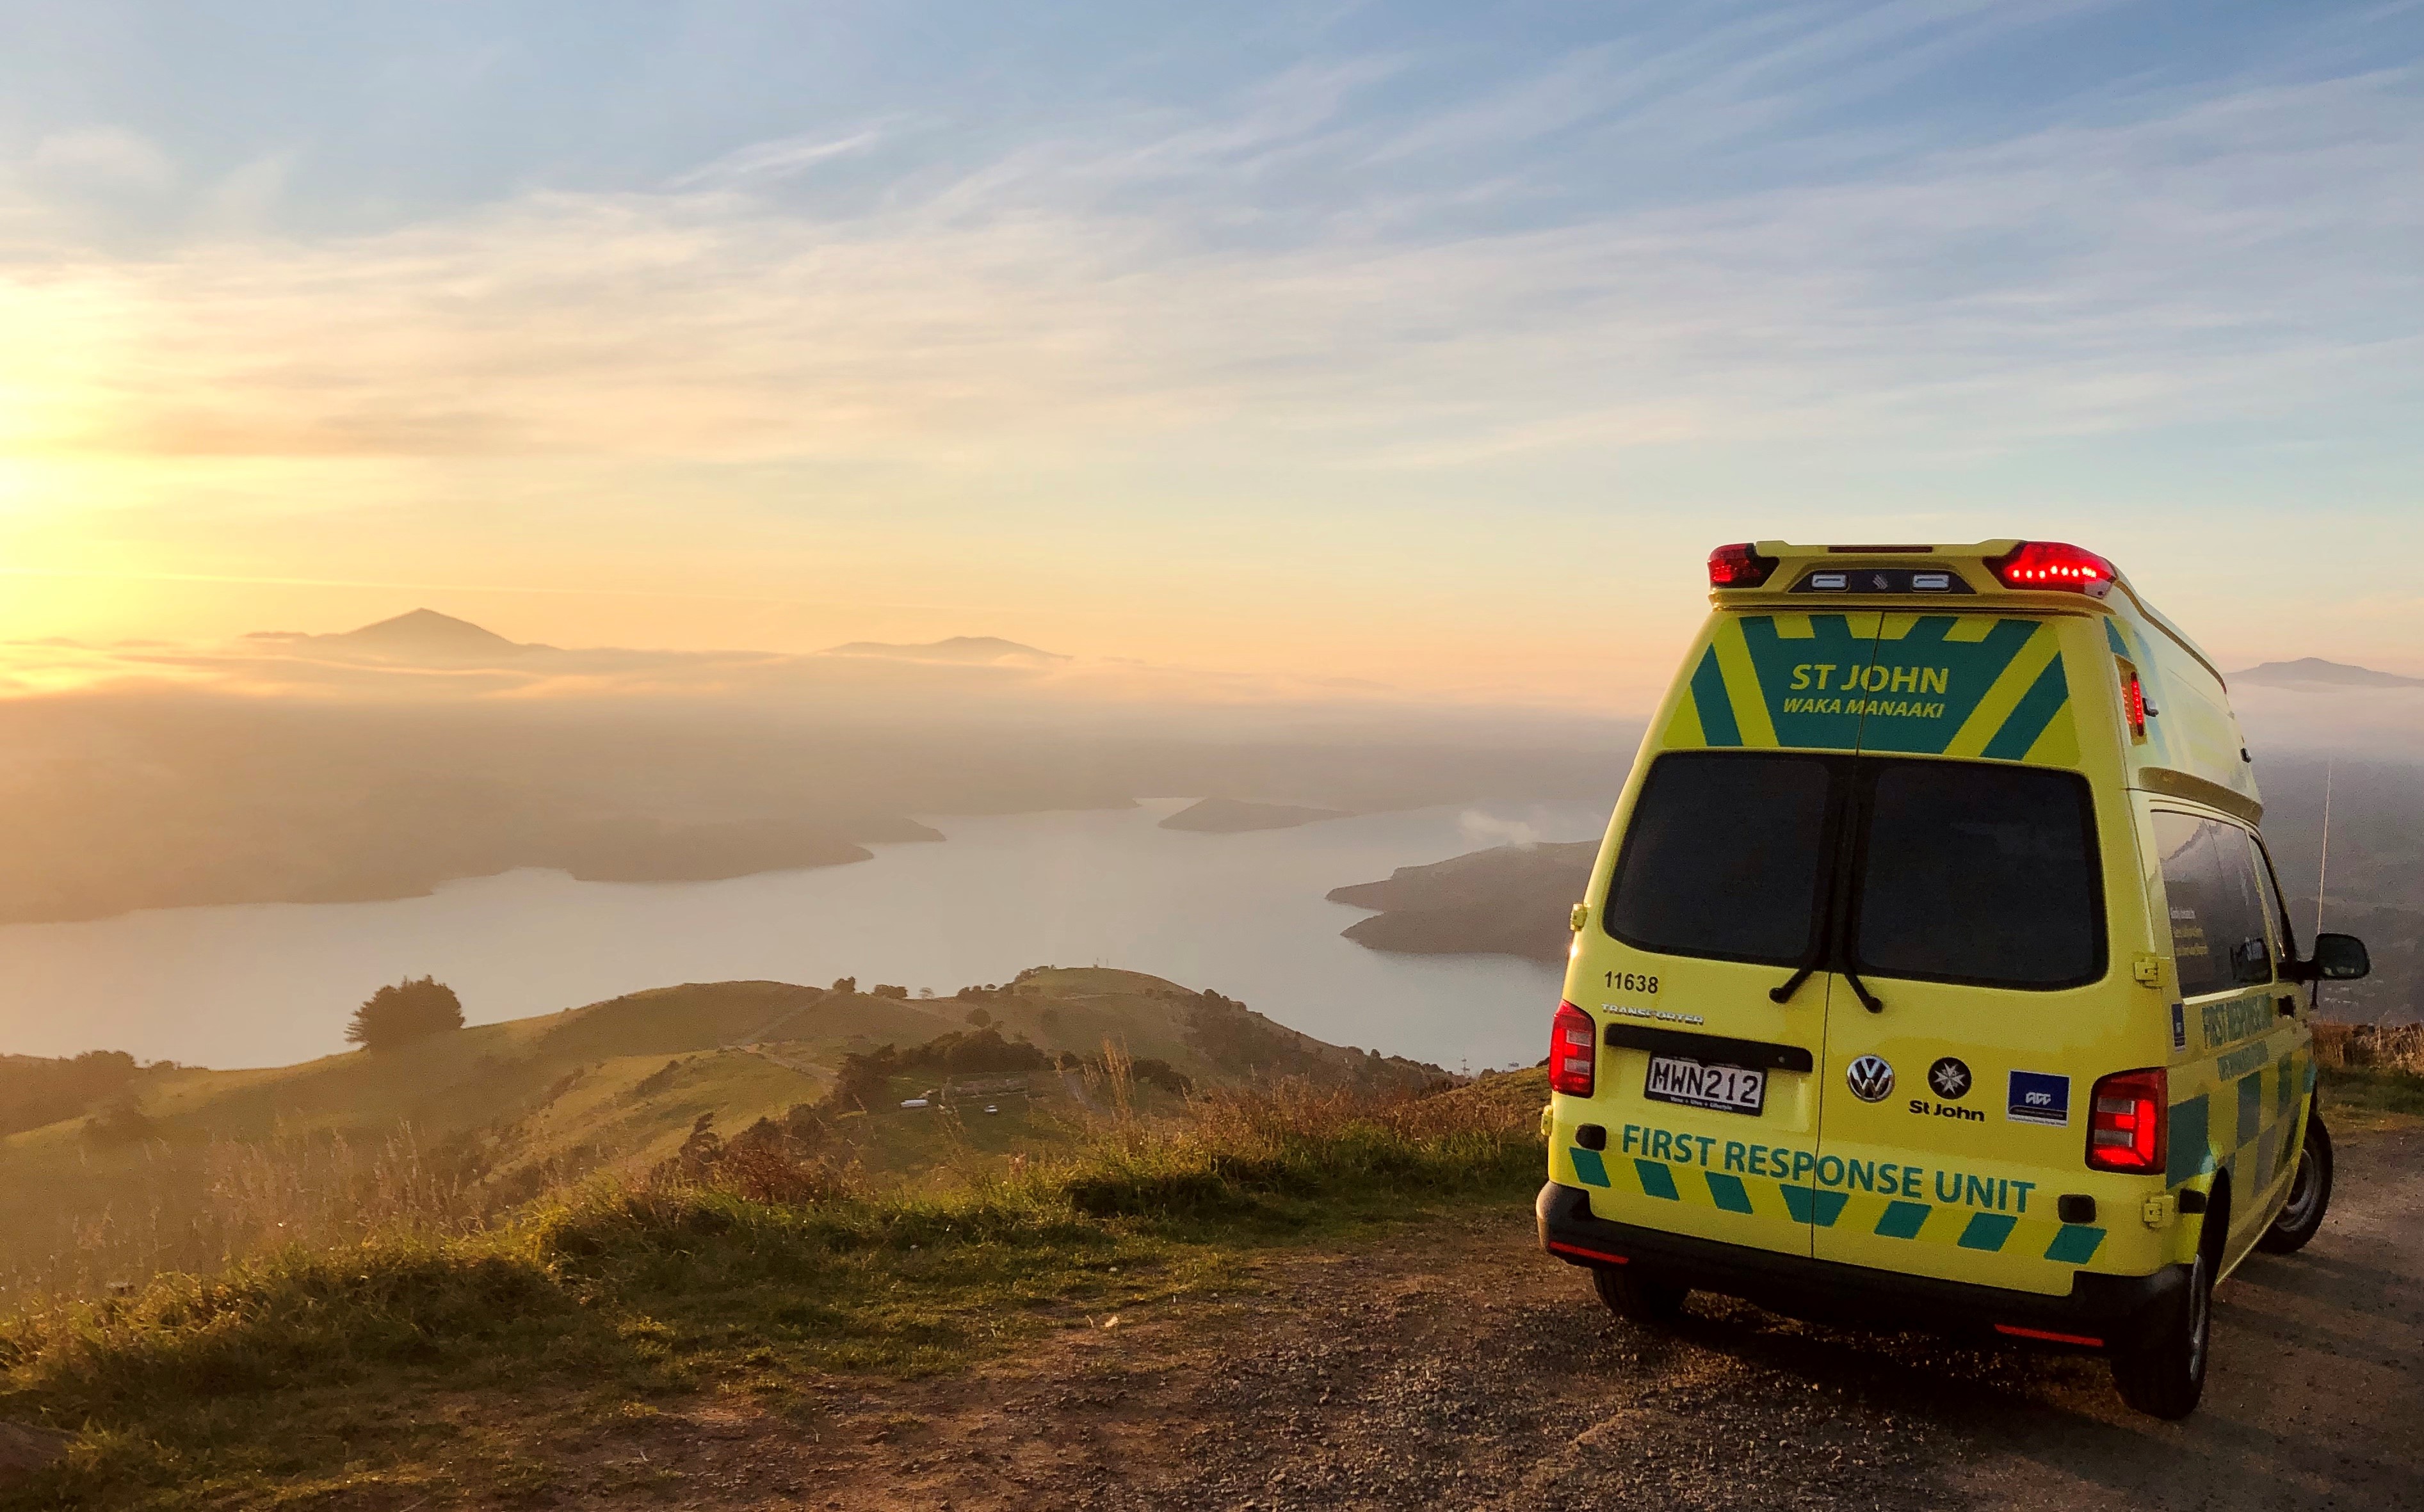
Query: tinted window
x,y
1724,858
2285,939
2216,905
1981,874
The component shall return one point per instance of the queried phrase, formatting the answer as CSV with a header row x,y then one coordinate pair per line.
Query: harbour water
x,y
1243,914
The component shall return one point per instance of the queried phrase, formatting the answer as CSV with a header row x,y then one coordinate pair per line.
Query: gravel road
x,y
1458,1367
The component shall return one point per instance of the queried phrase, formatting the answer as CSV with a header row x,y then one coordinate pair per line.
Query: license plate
x,y
1725,1088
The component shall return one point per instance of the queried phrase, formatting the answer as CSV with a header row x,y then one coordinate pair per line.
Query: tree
x,y
413,1009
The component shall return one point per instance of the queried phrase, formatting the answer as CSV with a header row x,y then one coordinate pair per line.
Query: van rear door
x,y
1727,862
1972,928
1716,913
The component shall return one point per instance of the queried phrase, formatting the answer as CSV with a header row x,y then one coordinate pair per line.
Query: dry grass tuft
x,y
233,1200
1262,1150
2370,1047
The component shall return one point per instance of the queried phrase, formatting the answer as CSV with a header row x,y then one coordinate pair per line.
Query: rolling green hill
x,y
180,1168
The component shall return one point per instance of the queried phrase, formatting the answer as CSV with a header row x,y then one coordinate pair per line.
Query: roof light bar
x,y
2053,564
1739,565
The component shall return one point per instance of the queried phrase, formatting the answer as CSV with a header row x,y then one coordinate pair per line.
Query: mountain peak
x,y
428,627
422,634
2313,672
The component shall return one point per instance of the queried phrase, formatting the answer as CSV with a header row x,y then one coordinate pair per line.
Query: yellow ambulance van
x,y
1934,973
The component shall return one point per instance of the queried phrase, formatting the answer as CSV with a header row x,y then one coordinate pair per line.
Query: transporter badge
x,y
1870,1078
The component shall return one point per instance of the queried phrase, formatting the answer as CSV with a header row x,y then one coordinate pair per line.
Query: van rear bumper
x,y
2102,1311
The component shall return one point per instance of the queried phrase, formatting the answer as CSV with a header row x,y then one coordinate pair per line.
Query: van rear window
x,y
1725,857
1963,871
1978,874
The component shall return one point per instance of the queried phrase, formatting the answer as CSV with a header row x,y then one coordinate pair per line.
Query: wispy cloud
x,y
2240,254
1365,310
777,159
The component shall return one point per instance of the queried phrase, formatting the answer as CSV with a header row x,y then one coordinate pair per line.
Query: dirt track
x,y
1466,1370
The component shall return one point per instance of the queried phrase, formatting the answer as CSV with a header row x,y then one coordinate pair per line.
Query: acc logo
x,y
1870,1078
2038,1097
1949,1078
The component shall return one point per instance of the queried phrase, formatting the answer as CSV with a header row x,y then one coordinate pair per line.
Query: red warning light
x,y
2133,698
2042,564
1739,566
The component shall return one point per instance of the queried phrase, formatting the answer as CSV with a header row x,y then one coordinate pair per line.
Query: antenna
x,y
2323,868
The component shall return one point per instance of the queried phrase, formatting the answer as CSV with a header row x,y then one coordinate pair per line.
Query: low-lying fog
x,y
543,827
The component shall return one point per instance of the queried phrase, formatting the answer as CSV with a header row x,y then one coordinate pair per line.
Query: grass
x,y
2363,1100
506,1109
2372,1077
432,1366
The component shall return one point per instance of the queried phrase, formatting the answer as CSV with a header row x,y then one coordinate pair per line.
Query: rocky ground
x,y
1458,1367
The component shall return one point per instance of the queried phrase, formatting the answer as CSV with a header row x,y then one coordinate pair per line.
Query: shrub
x,y
36,1092
767,1162
864,1078
412,1010
123,1121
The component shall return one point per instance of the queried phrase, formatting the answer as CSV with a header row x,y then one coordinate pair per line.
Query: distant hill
x,y
422,635
1233,816
970,648
2313,672
1505,900
503,1109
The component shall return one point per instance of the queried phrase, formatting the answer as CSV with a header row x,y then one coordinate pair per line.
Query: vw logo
x,y
1949,1078
1870,1078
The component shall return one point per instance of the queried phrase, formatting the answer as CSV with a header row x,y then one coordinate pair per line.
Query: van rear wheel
x,y
1638,1297
2163,1375
2310,1194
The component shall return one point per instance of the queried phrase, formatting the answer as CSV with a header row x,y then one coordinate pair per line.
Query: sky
x,y
1428,344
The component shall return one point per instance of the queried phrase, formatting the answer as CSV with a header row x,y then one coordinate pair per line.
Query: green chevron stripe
x,y
2035,710
1717,723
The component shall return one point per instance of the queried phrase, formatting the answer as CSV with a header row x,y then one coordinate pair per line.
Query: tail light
x,y
2133,701
1573,1052
2042,564
2125,1121
1738,567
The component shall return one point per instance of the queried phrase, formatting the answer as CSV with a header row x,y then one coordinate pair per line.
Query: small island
x,y
1508,900
1233,815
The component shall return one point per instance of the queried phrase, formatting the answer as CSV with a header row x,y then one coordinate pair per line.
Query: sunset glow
x,y
1399,360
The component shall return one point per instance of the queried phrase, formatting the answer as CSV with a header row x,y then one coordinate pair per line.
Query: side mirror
x,y
2339,958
